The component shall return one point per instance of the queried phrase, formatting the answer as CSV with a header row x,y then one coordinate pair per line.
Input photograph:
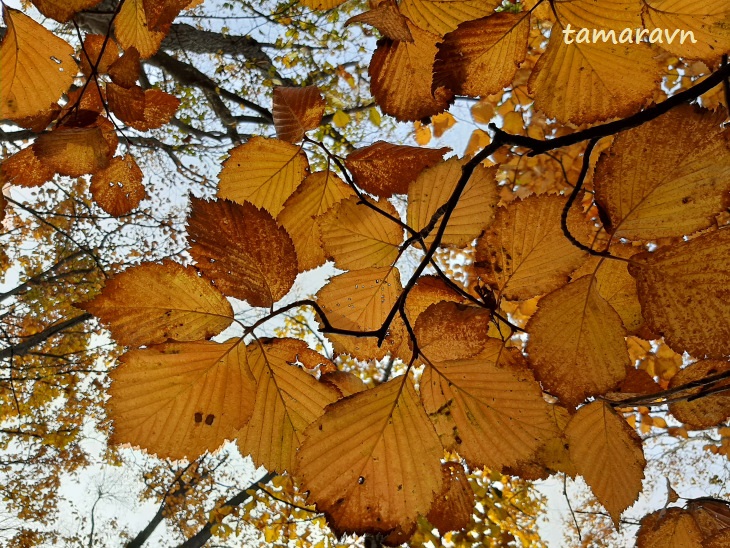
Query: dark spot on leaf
x,y
198,417
209,419
360,480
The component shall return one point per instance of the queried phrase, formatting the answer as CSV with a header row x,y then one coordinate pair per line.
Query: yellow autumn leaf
x,y
118,188
524,252
669,528
442,123
321,4
675,19
482,112
422,134
474,211
442,16
356,236
373,460
488,408
451,331
479,139
374,116
341,119
63,10
264,172
36,67
360,299
607,453
683,289
666,178
576,344
178,400
132,29
481,57
302,213
585,82
288,399
151,303
387,18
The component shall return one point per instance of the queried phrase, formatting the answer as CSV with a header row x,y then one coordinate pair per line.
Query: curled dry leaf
x,y
151,303
303,212
387,19
666,178
179,400
576,344
481,57
118,188
607,452
489,408
264,172
684,291
702,411
36,67
296,111
384,169
401,75
288,400
356,236
243,250
524,252
372,461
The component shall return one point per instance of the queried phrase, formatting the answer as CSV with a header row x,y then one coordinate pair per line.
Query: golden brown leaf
x,y
711,515
125,70
243,249
372,462
474,212
707,22
321,4
401,75
92,54
355,236
683,289
442,16
361,299
587,82
264,172
118,188
387,19
132,29
63,10
616,285
452,331
25,169
576,344
481,57
35,67
428,290
302,213
73,151
179,400
718,540
489,408
288,400
296,111
707,410
524,253
151,303
159,108
347,383
607,453
384,169
666,178
160,13
127,104
669,528
453,506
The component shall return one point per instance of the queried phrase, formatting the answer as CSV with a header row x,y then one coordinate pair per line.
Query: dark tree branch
x,y
21,349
